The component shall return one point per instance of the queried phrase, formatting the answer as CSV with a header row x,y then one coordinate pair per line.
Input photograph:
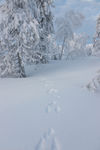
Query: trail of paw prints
x,y
48,141
53,105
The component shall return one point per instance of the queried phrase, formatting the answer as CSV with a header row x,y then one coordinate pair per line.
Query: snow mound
x,y
94,85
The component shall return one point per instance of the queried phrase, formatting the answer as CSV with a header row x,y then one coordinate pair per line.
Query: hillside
x,y
51,109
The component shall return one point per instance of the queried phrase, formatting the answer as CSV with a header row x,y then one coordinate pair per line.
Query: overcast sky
x,y
89,8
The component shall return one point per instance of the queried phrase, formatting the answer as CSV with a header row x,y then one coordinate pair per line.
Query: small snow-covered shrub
x,y
94,85
89,49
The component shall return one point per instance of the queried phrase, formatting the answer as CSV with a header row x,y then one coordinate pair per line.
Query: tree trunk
x,y
21,67
62,50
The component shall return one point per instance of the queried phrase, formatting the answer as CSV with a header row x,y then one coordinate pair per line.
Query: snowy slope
x,y
51,110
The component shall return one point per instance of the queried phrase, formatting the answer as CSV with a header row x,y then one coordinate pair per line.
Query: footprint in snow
x,y
58,109
47,84
48,141
53,91
53,106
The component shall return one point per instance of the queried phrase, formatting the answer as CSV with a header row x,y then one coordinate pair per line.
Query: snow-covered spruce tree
x,y
76,47
46,28
18,36
94,84
96,45
65,27
52,47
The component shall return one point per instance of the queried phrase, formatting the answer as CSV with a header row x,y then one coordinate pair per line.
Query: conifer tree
x,y
96,46
19,37
24,31
46,27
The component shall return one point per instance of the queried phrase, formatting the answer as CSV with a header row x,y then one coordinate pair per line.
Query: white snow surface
x,y
51,109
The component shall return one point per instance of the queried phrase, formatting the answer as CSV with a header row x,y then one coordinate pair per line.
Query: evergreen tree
x,y
96,46
24,29
66,26
46,27
19,37
94,85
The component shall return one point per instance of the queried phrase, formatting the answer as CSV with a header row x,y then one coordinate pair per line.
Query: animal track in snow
x,y
48,141
46,83
53,106
53,92
58,109
48,109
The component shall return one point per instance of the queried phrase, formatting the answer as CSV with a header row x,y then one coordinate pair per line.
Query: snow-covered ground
x,y
51,110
